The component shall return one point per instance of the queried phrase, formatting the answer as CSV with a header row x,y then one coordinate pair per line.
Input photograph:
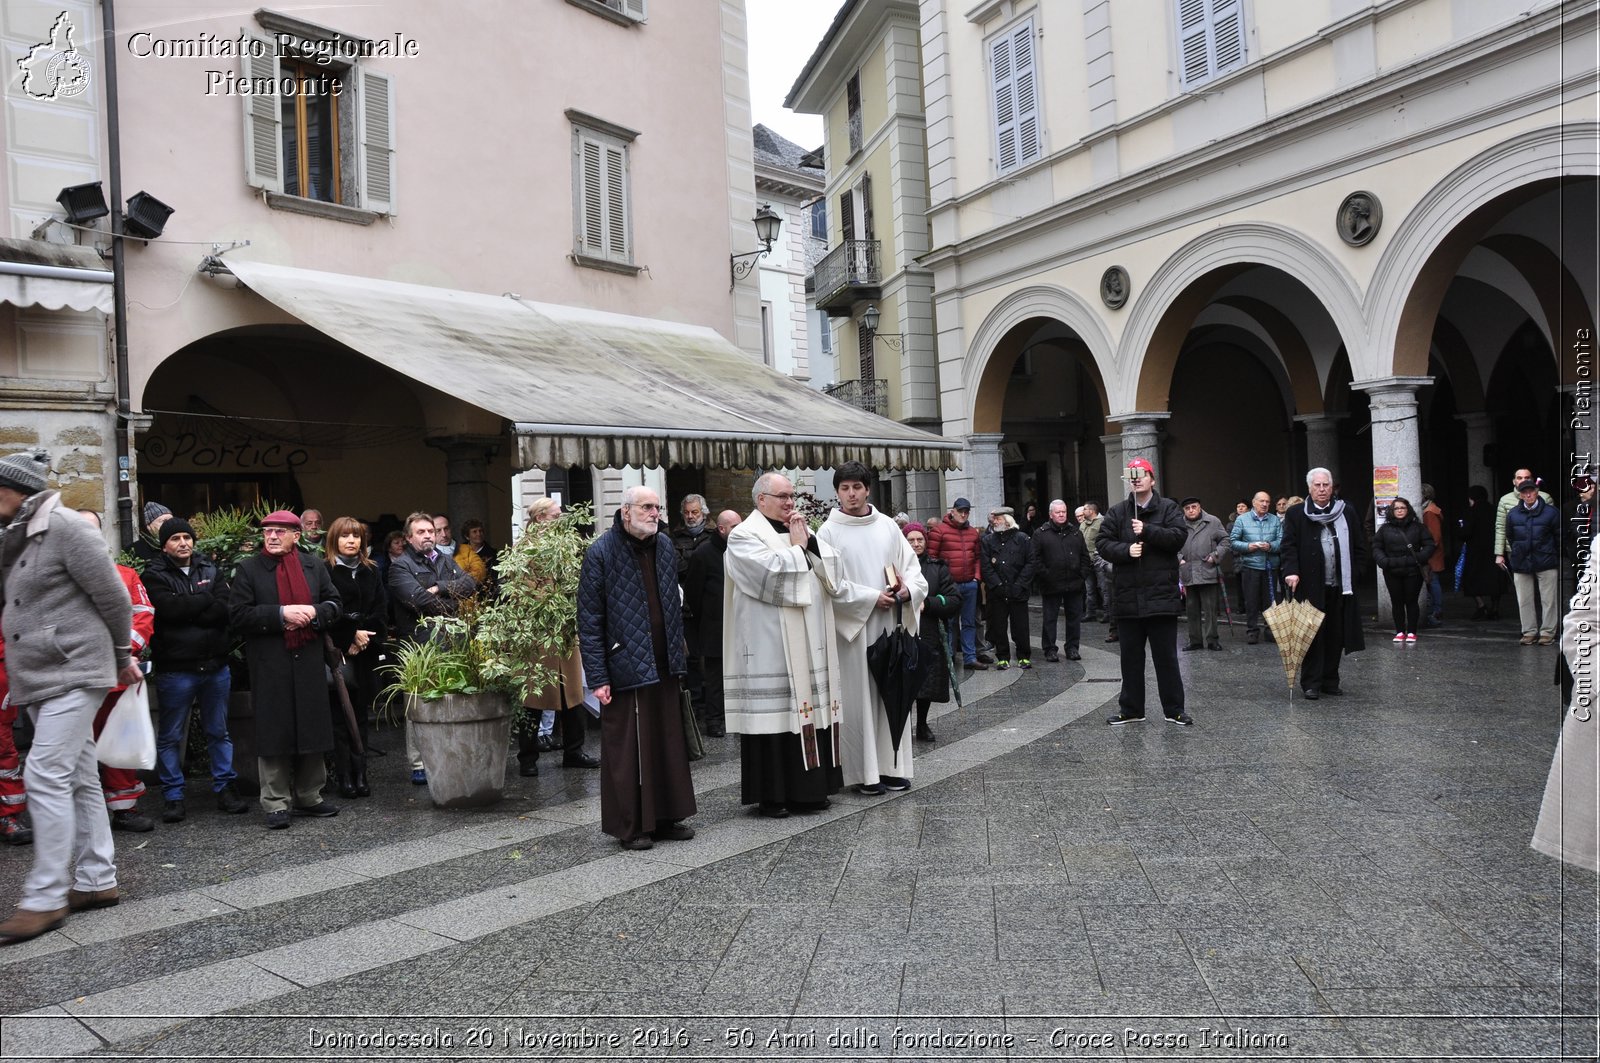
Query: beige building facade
x,y
1245,238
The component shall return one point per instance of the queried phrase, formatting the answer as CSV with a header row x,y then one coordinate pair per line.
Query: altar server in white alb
x,y
871,547
780,660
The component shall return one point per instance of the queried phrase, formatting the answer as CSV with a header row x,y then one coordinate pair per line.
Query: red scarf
x,y
292,590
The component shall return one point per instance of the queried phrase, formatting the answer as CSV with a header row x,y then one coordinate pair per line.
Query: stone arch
x,y
1428,246
1301,369
983,375
1167,305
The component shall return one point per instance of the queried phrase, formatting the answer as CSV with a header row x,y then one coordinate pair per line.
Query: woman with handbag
x,y
943,604
357,637
1401,547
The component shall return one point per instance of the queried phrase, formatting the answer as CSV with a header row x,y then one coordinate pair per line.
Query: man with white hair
x,y
779,656
630,630
1322,550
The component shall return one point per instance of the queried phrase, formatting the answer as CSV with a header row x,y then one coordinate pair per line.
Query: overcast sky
x,y
783,34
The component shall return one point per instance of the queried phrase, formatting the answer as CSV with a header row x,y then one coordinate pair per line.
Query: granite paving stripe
x,y
361,948
154,1004
44,1032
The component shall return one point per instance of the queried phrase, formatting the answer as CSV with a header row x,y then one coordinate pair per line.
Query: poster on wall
x,y
1385,486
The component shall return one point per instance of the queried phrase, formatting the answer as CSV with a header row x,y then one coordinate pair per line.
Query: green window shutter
x,y
375,112
263,124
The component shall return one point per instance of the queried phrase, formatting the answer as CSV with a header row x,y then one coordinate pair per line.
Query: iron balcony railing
x,y
869,395
853,264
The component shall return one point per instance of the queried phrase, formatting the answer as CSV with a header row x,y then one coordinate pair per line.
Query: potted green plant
x,y
466,678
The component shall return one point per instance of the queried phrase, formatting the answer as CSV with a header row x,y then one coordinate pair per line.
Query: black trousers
x,y
1161,632
1071,606
1321,668
570,720
1004,611
1255,589
1405,592
713,716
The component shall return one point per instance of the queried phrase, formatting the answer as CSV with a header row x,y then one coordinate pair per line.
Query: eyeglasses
x,y
789,497
270,532
648,507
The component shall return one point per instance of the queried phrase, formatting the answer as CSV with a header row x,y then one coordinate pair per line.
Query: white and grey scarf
x,y
1341,544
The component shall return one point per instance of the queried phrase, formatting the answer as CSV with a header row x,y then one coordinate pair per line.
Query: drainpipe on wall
x,y
127,528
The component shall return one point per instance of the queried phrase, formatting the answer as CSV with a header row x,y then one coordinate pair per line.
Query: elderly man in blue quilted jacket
x,y
630,631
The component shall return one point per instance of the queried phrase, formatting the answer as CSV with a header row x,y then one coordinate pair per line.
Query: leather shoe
x,y
673,832
925,733
1213,645
359,781
132,820
1192,646
173,812
642,842
278,820
320,810
25,925
345,787
1253,638
1053,657
1074,655
15,832
83,900
528,769
1111,638
977,666
579,760
1313,695
772,810
229,801
1333,691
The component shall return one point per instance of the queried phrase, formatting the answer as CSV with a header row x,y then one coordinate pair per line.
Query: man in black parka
x,y
1141,537
282,602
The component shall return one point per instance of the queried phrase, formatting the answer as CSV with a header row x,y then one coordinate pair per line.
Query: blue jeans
x,y
1435,596
175,692
964,637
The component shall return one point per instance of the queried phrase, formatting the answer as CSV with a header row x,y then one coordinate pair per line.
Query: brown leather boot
x,y
25,925
83,900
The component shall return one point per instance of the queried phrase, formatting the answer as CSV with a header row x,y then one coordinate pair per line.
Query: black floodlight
x,y
83,203
147,216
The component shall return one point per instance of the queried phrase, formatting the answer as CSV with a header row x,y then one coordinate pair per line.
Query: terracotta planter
x,y
463,740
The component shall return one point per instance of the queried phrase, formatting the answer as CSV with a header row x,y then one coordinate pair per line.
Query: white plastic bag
x,y
128,740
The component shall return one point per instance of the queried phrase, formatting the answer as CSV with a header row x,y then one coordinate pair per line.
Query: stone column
x,y
1480,432
466,474
1322,441
1393,402
1141,438
1113,445
1052,486
986,476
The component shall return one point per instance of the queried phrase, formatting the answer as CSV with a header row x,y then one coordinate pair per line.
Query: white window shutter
x,y
1227,34
591,196
1194,43
263,139
1025,92
634,9
1005,105
617,242
375,113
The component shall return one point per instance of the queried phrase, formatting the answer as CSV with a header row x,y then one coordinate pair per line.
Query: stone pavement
x,y
1346,878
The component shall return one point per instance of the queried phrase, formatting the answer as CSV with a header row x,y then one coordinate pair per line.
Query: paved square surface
x,y
1293,880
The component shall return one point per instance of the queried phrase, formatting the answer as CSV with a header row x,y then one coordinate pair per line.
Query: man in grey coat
x,y
67,625
1199,568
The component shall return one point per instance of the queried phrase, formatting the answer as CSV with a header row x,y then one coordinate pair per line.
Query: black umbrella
x,y
899,666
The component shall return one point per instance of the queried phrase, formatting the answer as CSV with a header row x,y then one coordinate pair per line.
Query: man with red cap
x,y
282,601
1141,537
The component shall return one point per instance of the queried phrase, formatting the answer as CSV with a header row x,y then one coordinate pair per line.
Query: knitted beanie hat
x,y
26,472
175,526
152,510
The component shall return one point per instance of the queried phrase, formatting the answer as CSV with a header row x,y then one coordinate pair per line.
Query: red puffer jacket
x,y
956,547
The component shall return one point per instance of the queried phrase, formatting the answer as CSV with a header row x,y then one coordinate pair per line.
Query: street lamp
x,y
869,321
767,222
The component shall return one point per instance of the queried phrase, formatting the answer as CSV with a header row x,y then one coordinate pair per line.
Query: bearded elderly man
x,y
67,625
282,601
879,569
779,656
630,631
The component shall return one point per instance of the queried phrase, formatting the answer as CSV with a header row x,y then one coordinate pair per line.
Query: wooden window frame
x,y
303,71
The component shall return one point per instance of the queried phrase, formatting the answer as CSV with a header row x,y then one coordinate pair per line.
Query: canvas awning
x,y
53,276
586,387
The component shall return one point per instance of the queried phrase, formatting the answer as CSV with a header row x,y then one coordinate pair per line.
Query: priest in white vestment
x,y
780,659
870,547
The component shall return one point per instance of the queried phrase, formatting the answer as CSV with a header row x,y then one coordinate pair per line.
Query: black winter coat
x,y
1402,544
410,576
702,596
1006,561
943,603
191,616
614,614
289,688
365,606
1060,559
1147,585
